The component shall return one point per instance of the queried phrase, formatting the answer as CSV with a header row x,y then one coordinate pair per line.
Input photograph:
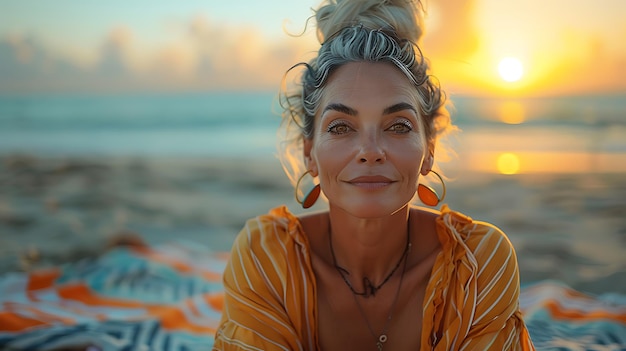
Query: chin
x,y
371,209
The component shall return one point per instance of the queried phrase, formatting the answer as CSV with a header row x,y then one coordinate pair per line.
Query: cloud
x,y
114,57
202,55
588,62
229,57
25,63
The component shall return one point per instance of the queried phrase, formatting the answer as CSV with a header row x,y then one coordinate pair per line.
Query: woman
x,y
373,272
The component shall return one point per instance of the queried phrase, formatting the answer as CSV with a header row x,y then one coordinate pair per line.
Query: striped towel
x,y
561,318
157,298
169,297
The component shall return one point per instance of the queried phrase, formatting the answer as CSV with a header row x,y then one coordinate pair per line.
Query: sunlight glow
x,y
512,112
510,69
508,163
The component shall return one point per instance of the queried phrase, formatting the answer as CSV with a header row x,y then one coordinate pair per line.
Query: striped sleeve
x,y
497,322
472,298
267,302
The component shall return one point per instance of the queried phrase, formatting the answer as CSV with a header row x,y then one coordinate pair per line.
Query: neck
x,y
368,248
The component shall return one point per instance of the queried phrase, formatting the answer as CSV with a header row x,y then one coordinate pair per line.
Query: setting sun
x,y
510,69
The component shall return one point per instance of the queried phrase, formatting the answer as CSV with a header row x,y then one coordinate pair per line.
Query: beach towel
x,y
169,297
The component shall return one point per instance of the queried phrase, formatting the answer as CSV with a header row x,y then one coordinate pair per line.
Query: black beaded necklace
x,y
369,288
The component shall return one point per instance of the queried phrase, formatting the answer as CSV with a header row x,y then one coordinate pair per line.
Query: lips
x,y
371,182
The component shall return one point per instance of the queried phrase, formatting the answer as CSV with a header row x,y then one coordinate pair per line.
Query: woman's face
x,y
369,145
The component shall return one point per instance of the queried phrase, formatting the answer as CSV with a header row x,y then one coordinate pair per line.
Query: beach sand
x,y
567,227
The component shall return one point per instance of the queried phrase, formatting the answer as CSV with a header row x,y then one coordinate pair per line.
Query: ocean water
x,y
192,124
243,124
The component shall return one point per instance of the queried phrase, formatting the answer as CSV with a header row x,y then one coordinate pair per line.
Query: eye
x,y
401,127
338,128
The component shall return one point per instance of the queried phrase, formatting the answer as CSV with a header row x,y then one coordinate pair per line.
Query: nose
x,y
371,150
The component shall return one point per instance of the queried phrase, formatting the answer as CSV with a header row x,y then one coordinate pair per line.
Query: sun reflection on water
x,y
508,163
512,112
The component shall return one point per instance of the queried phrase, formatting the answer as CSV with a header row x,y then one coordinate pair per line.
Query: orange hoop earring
x,y
311,197
428,195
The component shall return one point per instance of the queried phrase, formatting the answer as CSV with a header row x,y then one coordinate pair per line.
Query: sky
x,y
564,47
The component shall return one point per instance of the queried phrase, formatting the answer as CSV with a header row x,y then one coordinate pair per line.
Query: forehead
x,y
368,82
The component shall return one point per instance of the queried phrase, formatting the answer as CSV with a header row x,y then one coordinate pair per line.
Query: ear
x,y
309,161
427,164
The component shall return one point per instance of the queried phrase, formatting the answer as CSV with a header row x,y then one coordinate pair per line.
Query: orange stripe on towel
x,y
177,265
35,315
42,279
174,319
212,276
11,322
82,293
192,307
558,312
216,301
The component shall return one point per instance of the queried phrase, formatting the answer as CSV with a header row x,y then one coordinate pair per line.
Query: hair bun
x,y
403,17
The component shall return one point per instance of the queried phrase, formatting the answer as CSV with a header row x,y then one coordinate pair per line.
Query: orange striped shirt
x,y
471,301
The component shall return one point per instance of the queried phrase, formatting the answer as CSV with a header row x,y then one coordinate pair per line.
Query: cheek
x,y
409,158
332,159
328,155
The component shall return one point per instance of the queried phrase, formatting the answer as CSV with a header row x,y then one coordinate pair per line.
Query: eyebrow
x,y
352,112
399,107
340,108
